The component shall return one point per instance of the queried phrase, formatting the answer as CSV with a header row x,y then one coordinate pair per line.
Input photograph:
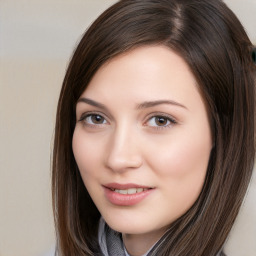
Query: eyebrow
x,y
146,104
92,103
149,104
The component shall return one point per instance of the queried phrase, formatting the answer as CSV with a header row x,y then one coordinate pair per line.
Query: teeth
x,y
130,191
121,191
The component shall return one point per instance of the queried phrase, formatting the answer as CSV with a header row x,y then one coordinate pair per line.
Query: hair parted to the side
x,y
209,37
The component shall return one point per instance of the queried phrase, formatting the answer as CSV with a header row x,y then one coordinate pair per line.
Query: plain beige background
x,y
36,41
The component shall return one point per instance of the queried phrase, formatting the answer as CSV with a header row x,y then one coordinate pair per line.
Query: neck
x,y
139,244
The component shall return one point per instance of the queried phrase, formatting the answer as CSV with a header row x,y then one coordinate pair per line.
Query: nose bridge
x,y
123,151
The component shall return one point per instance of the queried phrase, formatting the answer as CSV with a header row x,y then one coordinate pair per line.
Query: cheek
x,y
181,166
86,153
182,157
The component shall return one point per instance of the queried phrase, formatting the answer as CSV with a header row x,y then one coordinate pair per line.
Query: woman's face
x,y
142,140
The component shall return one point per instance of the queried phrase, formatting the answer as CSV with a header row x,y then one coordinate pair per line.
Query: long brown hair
x,y
209,37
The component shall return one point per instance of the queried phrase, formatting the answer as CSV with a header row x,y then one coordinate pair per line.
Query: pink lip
x,y
125,199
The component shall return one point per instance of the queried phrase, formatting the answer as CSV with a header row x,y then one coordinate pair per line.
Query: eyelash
x,y
167,118
91,114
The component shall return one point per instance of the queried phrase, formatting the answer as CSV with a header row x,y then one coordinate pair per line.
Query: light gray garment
x,y
111,243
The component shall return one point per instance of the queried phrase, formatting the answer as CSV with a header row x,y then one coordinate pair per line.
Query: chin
x,y
127,225
132,225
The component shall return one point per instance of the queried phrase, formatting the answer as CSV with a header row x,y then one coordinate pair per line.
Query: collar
x,y
111,242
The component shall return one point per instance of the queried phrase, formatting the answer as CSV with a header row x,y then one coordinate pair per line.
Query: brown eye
x,y
160,121
95,119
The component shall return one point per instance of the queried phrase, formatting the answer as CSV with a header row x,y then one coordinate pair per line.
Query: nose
x,y
123,152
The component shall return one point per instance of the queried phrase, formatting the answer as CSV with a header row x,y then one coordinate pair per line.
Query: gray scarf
x,y
111,243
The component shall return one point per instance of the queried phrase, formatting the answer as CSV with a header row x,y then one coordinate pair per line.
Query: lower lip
x,y
127,199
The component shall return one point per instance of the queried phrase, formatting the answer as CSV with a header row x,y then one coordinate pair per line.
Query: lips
x,y
126,194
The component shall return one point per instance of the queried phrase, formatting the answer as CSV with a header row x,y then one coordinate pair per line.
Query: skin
x,y
126,142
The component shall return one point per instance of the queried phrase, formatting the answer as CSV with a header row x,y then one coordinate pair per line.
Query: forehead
x,y
144,70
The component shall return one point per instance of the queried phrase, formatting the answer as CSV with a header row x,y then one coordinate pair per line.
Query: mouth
x,y
126,194
129,191
129,188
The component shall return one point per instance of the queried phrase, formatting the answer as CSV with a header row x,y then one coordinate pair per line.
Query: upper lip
x,y
124,186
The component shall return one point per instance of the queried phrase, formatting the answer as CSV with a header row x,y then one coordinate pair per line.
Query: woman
x,y
154,139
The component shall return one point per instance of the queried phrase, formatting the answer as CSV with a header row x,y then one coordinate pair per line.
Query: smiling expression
x,y
142,140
